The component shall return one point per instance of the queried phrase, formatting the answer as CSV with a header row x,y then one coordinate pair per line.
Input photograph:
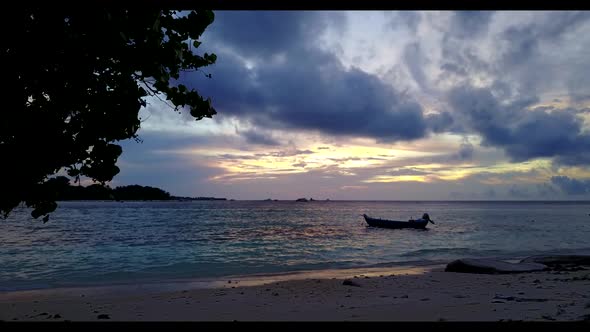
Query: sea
x,y
88,243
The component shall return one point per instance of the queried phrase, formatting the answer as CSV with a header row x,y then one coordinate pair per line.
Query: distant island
x,y
199,198
306,200
64,191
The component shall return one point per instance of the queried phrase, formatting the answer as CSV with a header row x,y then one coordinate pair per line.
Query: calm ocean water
x,y
88,243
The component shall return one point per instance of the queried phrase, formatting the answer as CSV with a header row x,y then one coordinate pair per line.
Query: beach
x,y
419,293
287,261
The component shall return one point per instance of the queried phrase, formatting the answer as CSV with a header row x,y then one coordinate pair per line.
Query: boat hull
x,y
384,223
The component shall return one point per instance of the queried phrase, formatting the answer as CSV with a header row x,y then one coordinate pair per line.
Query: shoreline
x,y
377,293
245,280
260,277
208,281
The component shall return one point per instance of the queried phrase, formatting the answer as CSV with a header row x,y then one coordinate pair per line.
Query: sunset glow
x,y
334,103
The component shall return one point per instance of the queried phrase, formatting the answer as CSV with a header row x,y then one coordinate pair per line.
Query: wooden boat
x,y
418,224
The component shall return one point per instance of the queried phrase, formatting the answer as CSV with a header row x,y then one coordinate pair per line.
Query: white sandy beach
x,y
384,294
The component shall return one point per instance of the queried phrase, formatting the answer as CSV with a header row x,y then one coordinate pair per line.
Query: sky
x,y
372,105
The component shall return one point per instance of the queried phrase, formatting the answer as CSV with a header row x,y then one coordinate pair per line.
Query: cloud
x,y
463,57
571,186
254,137
518,192
465,151
502,79
547,191
408,19
236,157
179,174
288,152
538,53
301,164
523,41
353,187
441,122
454,69
261,34
405,171
293,84
415,60
522,133
524,48
470,24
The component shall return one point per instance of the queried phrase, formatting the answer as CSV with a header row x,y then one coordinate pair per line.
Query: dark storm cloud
x,y
296,85
441,122
264,33
523,134
571,186
232,87
322,96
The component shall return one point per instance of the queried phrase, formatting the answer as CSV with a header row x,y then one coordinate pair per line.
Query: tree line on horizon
x,y
62,189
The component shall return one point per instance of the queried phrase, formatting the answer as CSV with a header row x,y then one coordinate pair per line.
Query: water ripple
x,y
109,241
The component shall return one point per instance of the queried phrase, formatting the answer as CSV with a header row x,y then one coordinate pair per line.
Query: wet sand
x,y
421,293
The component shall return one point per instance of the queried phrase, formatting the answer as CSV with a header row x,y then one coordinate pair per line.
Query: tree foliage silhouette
x,y
62,189
77,80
